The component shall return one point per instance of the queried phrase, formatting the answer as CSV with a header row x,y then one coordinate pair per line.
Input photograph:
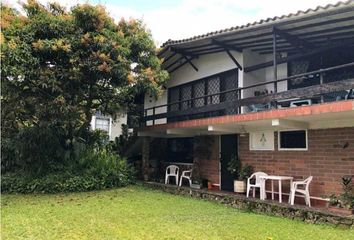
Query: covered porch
x,y
327,154
290,61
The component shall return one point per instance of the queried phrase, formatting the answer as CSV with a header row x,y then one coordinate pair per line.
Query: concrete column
x,y
145,158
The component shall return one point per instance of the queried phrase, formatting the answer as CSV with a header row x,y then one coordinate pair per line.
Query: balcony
x,y
325,85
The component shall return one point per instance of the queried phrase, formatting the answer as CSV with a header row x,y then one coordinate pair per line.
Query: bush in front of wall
x,y
55,183
95,170
106,165
346,198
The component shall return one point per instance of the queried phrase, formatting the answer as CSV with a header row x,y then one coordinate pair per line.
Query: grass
x,y
140,213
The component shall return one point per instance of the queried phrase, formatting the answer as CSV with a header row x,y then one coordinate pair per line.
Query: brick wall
x,y
206,155
206,152
330,155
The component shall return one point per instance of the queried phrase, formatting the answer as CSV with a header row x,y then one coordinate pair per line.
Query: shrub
x,y
8,152
122,143
43,165
105,165
346,199
32,149
96,170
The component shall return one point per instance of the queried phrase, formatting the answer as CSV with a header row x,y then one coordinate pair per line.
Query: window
x,y
180,150
102,124
292,140
191,95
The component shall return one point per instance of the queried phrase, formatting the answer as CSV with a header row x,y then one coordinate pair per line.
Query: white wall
x,y
262,75
251,58
207,65
282,72
115,129
150,101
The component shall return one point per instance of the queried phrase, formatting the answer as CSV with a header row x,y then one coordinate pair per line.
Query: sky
x,y
178,19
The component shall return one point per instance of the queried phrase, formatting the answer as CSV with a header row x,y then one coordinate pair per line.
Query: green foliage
x,y
345,199
235,167
51,183
95,170
122,143
141,213
106,165
245,172
8,159
59,67
37,149
32,149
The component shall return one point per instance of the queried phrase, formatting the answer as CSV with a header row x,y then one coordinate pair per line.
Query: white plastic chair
x,y
187,175
172,171
305,191
257,183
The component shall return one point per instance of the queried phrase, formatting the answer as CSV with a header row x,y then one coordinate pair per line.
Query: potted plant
x,y
240,184
210,185
343,203
241,173
196,183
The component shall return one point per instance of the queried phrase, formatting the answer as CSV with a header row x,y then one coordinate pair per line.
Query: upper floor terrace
x,y
300,59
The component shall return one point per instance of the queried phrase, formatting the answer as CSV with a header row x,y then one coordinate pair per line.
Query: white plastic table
x,y
277,178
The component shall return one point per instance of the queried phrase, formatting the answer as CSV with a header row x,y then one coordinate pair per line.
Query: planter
x,y
341,211
195,186
239,186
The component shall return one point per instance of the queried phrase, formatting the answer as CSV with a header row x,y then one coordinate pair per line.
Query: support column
x,y
145,158
321,82
275,64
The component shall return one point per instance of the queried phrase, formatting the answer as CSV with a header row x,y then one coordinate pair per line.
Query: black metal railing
x,y
333,82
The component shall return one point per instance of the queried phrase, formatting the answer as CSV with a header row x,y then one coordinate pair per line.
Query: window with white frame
x,y
102,124
293,140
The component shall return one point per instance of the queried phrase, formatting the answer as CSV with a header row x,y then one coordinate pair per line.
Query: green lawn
x,y
140,213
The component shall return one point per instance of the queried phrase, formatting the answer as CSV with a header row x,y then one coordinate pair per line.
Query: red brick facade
x,y
330,155
209,163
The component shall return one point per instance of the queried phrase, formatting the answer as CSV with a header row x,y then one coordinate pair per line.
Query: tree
x,y
59,67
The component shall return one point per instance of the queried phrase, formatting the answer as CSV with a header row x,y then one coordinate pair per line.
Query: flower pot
x,y
239,186
210,186
195,186
341,211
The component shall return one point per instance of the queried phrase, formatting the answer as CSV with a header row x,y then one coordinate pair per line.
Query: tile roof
x,y
257,23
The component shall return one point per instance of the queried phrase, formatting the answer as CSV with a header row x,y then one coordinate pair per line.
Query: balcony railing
x,y
334,83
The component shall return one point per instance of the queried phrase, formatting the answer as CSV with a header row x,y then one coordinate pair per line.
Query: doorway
x,y
228,148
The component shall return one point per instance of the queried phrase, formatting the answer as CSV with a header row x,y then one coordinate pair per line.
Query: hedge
x,y
54,183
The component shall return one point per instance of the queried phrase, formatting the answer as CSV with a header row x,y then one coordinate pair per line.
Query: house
x,y
108,124
278,93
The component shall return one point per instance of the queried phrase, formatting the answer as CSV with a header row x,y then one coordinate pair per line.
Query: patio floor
x,y
239,201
